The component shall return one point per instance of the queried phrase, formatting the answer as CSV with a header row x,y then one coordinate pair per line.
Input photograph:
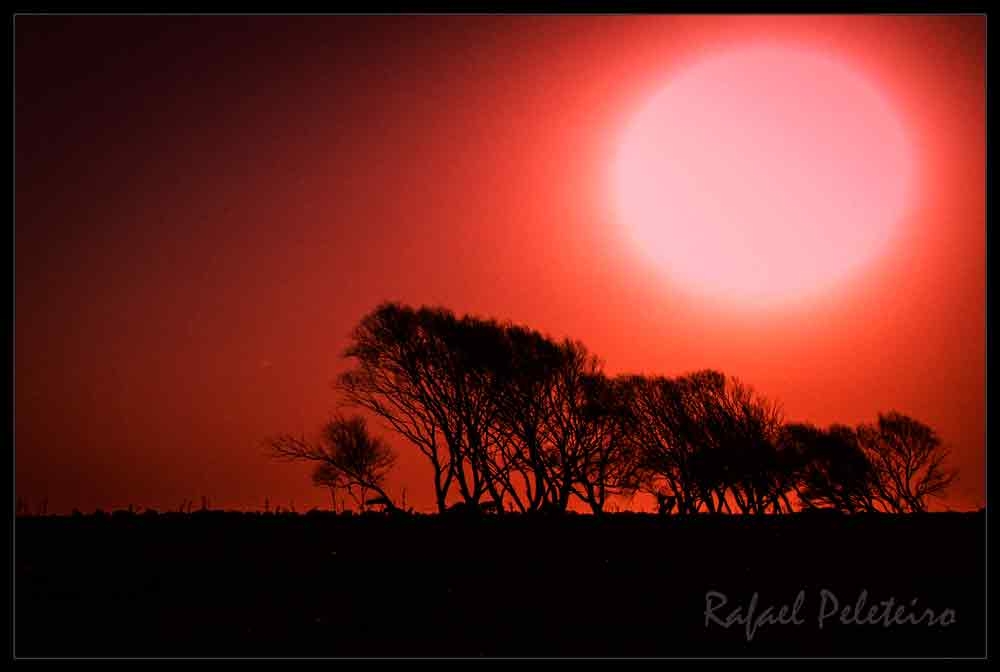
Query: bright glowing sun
x,y
763,174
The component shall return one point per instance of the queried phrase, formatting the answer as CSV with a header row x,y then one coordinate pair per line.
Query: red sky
x,y
206,206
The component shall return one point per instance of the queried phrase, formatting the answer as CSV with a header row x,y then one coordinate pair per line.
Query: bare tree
x,y
391,380
747,425
908,460
510,418
433,378
608,463
664,424
556,432
710,442
348,459
832,469
518,460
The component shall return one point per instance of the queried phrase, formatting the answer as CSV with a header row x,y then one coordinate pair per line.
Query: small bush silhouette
x,y
348,458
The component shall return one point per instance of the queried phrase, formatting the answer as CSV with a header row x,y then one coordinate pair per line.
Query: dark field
x,y
229,584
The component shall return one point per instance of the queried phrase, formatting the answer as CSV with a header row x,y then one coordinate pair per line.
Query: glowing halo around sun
x,y
763,174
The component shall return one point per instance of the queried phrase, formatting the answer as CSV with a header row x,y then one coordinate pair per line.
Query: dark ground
x,y
230,584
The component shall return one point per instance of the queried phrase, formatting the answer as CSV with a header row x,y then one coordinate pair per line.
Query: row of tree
x,y
509,419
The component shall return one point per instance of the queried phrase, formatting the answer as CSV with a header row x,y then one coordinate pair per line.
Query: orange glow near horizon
x,y
196,236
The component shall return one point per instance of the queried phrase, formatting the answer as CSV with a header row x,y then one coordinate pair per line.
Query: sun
x,y
763,174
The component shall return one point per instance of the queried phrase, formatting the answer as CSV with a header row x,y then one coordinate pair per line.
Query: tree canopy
x,y
510,419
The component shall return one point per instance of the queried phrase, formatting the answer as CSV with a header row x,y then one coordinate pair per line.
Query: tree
x,y
890,466
520,459
709,442
407,374
667,424
833,470
503,413
509,417
908,462
747,424
608,462
348,458
566,419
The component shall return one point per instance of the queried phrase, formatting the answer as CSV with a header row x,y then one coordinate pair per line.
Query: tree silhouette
x,y
349,458
432,377
558,426
708,442
648,427
752,469
834,471
391,380
907,458
520,464
510,418
608,462
503,413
